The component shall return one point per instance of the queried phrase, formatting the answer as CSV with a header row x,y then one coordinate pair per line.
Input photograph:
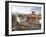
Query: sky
x,y
26,9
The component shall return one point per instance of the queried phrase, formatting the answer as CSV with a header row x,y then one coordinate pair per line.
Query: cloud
x,y
26,9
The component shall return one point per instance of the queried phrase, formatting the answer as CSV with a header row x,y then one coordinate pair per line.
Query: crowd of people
x,y
26,22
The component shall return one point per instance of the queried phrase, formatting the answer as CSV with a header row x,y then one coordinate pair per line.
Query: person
x,y
32,22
